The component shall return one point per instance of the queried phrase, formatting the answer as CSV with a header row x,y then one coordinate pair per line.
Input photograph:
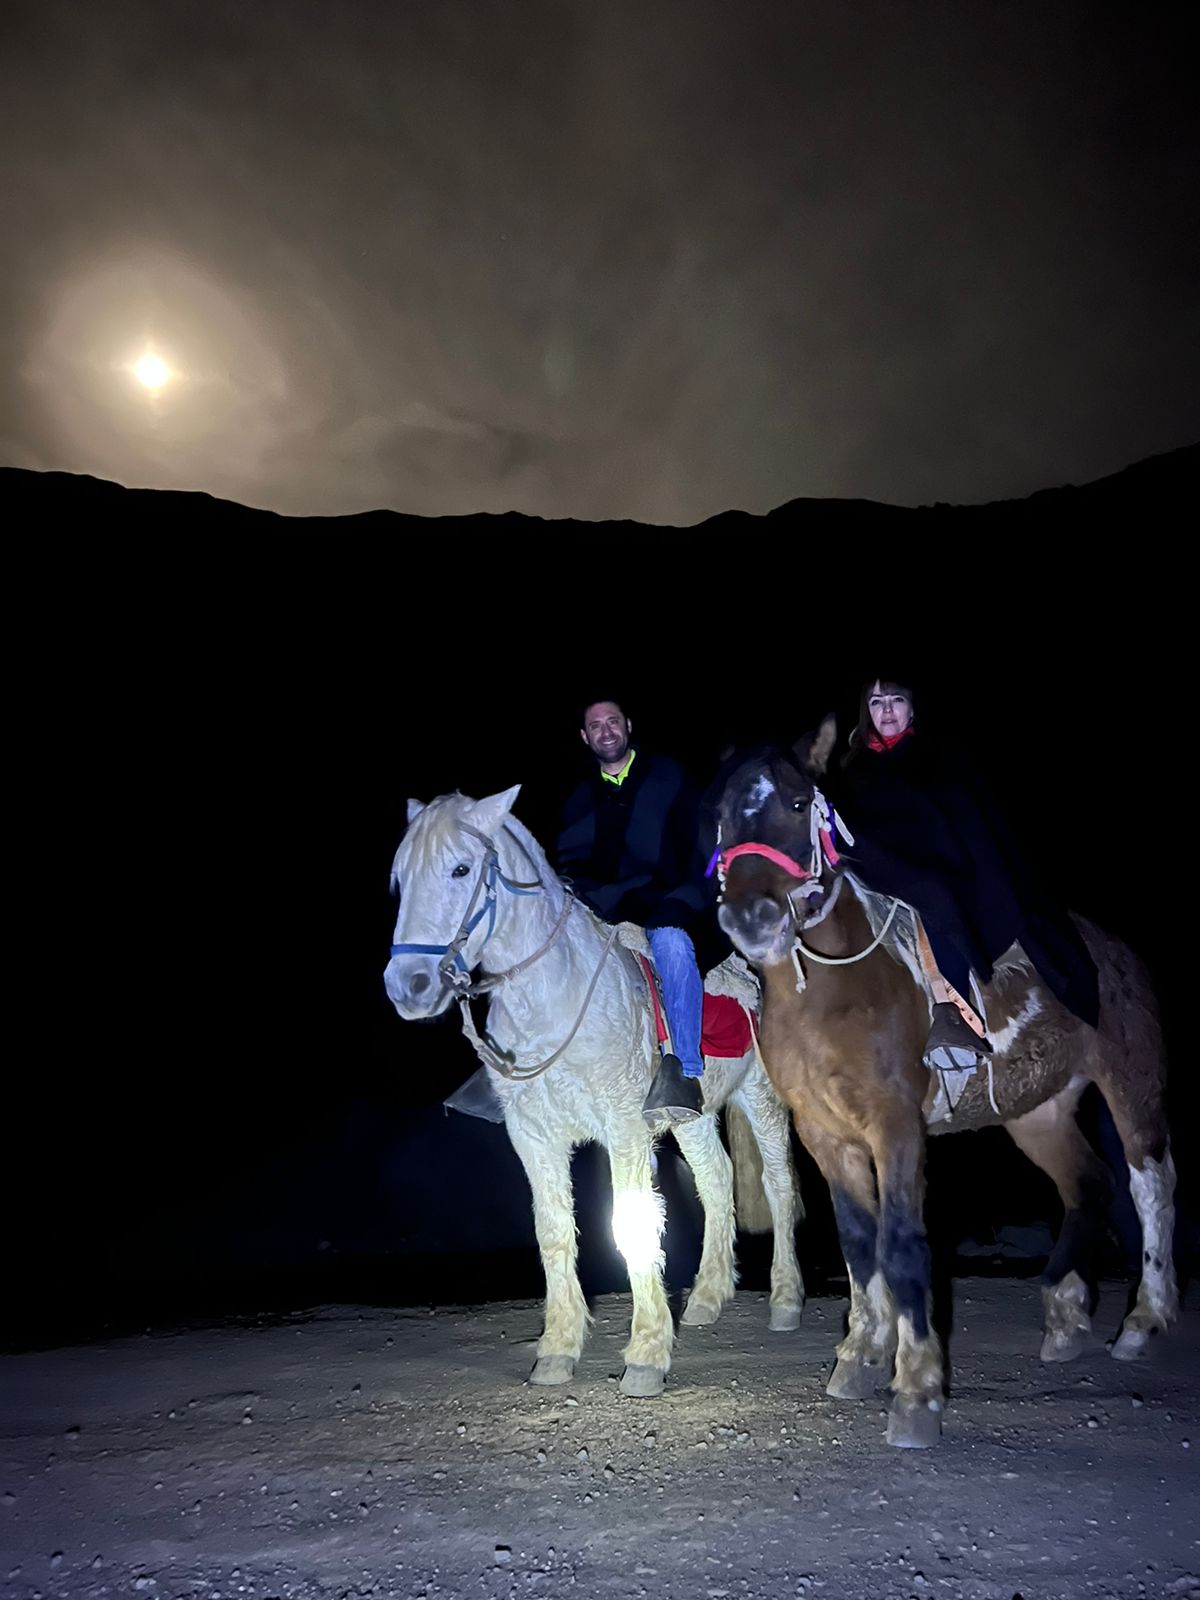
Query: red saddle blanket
x,y
724,1029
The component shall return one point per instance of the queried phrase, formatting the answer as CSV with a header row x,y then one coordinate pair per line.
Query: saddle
x,y
731,999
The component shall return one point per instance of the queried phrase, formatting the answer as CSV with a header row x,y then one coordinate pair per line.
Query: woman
x,y
927,832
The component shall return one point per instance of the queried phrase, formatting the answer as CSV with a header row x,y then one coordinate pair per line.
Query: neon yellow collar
x,y
619,778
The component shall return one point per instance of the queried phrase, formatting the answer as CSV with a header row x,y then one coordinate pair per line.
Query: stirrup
x,y
673,1096
953,1052
953,1045
477,1098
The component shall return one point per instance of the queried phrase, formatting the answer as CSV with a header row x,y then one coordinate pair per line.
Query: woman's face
x,y
891,713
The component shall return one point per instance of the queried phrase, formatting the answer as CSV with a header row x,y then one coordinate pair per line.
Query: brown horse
x,y
846,1016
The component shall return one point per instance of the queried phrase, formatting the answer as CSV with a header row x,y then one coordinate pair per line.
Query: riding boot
x,y
477,1098
672,1095
953,1045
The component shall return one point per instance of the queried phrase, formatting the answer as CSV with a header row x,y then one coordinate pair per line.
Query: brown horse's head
x,y
778,858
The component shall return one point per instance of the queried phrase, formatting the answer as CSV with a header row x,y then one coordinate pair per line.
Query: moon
x,y
151,371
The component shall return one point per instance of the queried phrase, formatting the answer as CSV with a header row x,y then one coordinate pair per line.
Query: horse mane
x,y
537,857
437,804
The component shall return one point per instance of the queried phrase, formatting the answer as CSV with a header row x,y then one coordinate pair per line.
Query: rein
x,y
504,1064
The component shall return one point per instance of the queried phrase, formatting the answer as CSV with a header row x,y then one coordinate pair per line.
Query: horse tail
x,y
749,1196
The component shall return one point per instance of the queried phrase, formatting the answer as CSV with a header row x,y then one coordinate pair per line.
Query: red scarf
x,y
879,742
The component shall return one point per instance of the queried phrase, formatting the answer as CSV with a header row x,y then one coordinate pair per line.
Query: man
x,y
630,844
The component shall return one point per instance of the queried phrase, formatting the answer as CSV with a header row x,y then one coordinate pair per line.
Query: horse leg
x,y
1130,1071
1053,1141
768,1119
638,1228
1142,1124
1152,1185
915,1417
866,1355
548,1168
712,1169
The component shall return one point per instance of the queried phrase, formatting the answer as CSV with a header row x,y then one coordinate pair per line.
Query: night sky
x,y
618,260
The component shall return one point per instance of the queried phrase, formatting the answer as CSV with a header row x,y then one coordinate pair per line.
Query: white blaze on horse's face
x,y
435,873
758,796
764,808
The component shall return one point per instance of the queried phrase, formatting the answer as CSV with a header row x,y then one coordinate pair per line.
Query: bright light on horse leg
x,y
1157,1305
637,1227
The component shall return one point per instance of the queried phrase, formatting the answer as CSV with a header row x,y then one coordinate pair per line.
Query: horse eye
x,y
799,805
460,870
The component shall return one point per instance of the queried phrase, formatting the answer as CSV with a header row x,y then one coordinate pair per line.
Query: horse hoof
x,y
913,1424
854,1380
1133,1344
700,1314
1065,1346
551,1370
642,1383
784,1319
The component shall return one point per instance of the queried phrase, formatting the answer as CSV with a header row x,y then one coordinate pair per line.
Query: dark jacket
x,y
633,850
927,831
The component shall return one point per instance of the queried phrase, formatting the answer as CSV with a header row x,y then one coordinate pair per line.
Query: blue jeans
x,y
683,994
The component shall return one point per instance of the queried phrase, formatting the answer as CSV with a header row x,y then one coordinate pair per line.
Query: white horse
x,y
571,1046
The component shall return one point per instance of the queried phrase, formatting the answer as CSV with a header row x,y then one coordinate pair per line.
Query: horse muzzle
x,y
414,986
760,928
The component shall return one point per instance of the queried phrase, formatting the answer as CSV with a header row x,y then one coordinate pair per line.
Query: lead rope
x,y
846,961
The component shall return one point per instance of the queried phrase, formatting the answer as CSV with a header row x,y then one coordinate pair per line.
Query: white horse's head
x,y
447,905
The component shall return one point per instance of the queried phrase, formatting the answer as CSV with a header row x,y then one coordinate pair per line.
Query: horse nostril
x,y
418,983
766,913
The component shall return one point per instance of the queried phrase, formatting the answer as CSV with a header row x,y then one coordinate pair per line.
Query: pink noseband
x,y
777,856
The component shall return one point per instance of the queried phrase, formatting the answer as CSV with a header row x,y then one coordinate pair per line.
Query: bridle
x,y
452,969
456,975
824,824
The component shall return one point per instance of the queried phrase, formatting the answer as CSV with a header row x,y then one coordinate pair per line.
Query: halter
x,y
824,821
452,969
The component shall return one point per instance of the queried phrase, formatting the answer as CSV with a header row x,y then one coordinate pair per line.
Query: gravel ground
x,y
350,1452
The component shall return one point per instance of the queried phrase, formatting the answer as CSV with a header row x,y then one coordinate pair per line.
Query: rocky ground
x,y
400,1453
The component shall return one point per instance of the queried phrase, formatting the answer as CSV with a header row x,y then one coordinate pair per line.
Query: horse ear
x,y
415,808
814,750
488,815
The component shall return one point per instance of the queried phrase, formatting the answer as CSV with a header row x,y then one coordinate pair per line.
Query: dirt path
x,y
400,1454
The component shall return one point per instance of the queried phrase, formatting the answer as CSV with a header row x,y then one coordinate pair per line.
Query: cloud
x,y
614,261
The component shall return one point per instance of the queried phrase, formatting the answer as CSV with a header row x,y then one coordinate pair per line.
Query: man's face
x,y
605,731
